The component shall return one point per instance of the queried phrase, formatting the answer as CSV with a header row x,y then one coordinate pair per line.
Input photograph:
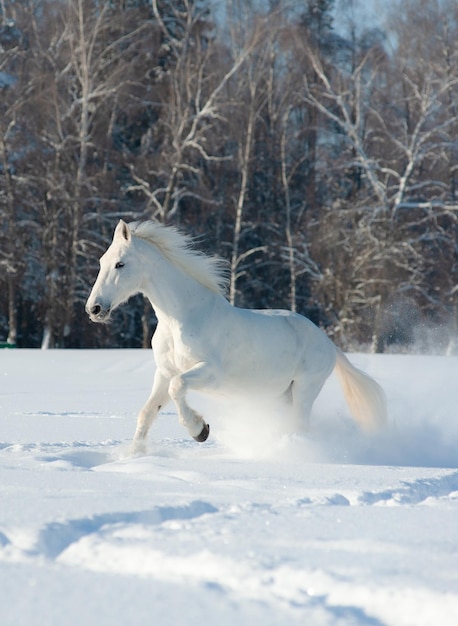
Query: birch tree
x,y
11,259
192,84
15,150
88,53
392,130
249,99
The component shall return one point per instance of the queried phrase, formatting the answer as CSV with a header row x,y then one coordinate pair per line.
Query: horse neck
x,y
172,293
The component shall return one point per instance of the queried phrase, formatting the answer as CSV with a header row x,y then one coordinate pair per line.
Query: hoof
x,y
203,435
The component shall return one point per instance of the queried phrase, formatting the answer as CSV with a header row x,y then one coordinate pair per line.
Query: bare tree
x,y
14,152
249,99
84,57
392,135
193,83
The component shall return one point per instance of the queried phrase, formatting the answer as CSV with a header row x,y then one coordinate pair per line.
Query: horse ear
x,y
123,231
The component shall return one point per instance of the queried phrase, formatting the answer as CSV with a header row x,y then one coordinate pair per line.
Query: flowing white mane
x,y
178,249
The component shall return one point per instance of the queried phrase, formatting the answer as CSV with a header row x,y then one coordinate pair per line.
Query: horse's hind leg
x,y
158,397
305,390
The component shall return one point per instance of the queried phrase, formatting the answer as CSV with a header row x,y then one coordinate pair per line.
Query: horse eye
x,y
119,264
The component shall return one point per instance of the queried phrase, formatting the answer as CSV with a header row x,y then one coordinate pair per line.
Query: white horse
x,y
205,344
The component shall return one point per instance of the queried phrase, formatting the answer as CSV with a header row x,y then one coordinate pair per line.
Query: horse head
x,y
118,277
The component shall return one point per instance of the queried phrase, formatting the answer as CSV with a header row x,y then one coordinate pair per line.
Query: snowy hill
x,y
252,527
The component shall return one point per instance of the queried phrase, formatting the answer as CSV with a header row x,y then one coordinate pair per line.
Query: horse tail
x,y
365,398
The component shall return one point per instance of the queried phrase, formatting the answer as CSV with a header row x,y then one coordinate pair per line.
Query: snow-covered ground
x,y
252,527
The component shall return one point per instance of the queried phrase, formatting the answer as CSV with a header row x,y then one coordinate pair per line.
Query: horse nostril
x,y
96,309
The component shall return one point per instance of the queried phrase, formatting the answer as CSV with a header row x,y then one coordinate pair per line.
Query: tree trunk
x,y
46,341
245,158
288,231
12,317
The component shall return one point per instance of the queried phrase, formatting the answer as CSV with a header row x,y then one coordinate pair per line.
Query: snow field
x,y
335,528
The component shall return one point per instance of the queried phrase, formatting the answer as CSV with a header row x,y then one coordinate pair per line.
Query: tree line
x,y
319,158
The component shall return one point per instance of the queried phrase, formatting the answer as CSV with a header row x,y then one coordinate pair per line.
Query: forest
x,y
317,155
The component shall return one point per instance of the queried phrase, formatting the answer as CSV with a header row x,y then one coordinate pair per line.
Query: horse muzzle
x,y
98,313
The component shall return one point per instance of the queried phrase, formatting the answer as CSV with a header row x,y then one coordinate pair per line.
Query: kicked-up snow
x,y
256,526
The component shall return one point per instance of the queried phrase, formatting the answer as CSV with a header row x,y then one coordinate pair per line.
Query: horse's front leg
x,y
201,376
159,396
